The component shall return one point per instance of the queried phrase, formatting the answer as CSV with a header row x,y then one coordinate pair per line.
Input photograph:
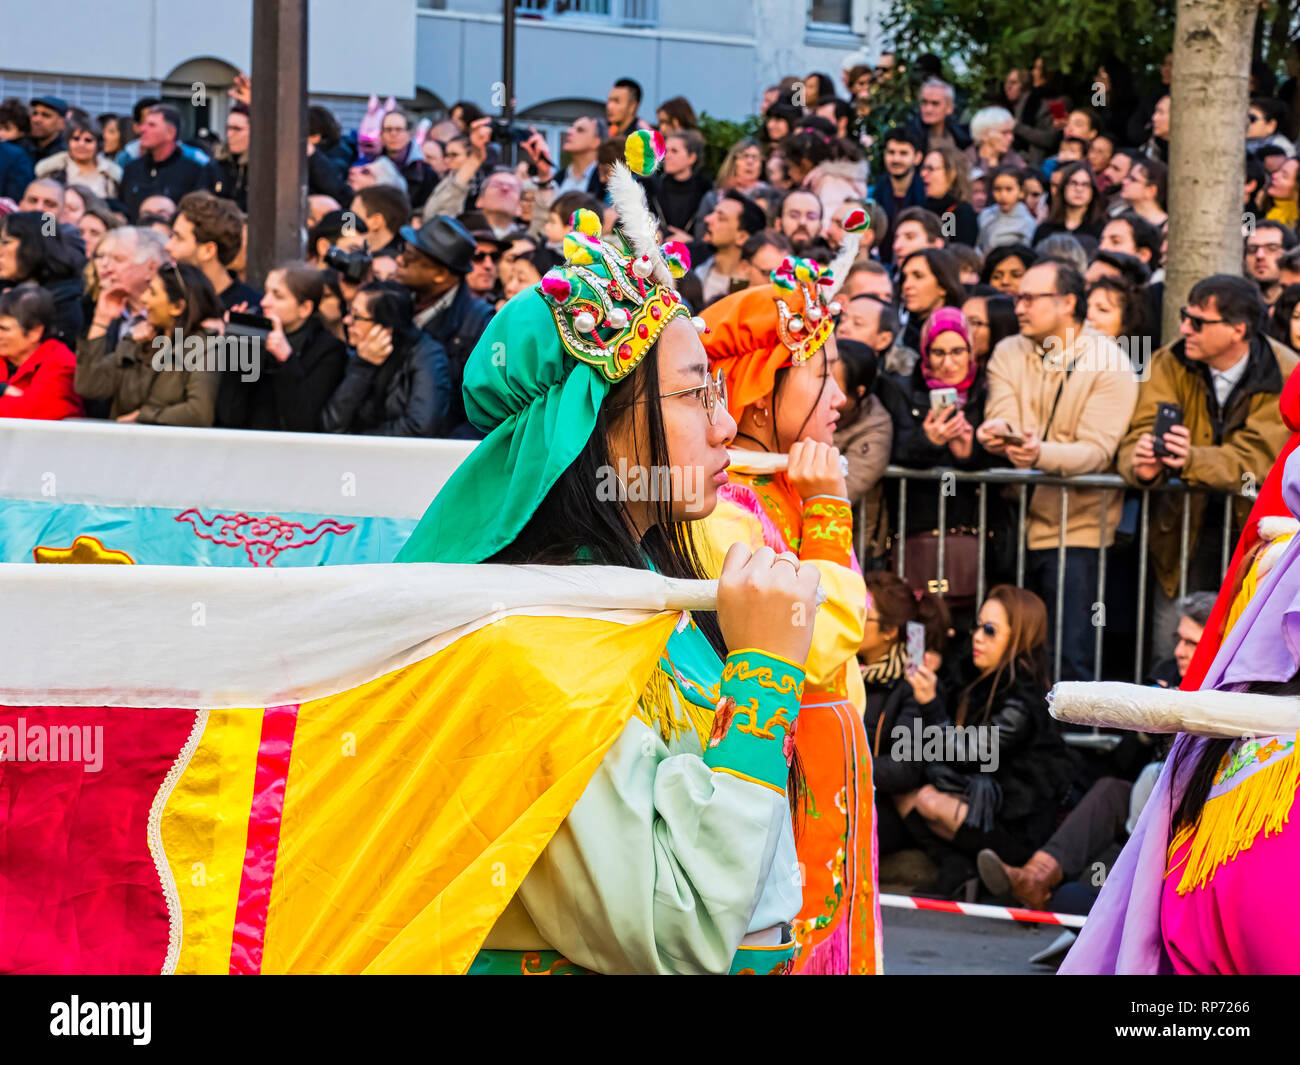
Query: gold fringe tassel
x,y
663,707
1231,822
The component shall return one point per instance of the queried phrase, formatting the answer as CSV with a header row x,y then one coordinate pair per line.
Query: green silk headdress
x,y
538,375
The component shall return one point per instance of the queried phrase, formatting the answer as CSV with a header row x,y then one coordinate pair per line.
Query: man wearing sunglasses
x,y
1225,376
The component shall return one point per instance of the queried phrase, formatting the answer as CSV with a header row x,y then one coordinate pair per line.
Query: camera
x,y
504,131
352,266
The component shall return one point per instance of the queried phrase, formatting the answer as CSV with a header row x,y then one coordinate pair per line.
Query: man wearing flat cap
x,y
434,264
48,115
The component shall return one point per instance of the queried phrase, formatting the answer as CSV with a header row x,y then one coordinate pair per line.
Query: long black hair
x,y
1208,759
573,525
40,256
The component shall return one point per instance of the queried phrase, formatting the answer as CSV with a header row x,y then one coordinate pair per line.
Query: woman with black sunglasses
x,y
1002,785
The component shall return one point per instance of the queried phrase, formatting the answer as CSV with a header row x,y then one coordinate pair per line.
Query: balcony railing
x,y
617,12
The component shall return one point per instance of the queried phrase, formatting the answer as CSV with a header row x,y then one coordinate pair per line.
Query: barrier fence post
x,y
1143,532
1021,537
902,522
1183,551
1226,552
1099,630
983,527
1060,581
943,531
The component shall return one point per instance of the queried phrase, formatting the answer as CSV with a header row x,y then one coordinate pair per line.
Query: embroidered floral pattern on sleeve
x,y
828,529
754,723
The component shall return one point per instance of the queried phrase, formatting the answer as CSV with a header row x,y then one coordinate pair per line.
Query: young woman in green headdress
x,y
605,437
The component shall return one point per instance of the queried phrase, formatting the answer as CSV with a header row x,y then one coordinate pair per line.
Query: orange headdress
x,y
755,332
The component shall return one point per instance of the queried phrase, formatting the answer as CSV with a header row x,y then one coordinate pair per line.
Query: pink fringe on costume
x,y
743,496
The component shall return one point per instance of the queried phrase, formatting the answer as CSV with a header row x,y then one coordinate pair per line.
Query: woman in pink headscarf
x,y
935,409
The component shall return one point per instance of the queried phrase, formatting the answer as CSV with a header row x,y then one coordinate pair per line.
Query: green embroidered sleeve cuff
x,y
753,728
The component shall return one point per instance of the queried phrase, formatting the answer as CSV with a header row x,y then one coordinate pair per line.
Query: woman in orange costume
x,y
775,346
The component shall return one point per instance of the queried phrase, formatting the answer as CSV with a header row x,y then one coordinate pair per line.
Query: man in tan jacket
x,y
1067,392
1226,377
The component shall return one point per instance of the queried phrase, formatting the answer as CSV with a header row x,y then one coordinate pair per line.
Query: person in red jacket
x,y
35,369
1269,503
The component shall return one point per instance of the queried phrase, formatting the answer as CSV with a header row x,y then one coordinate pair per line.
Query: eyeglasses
x,y
1030,297
1263,249
939,354
1195,320
483,256
987,628
351,315
1179,639
713,394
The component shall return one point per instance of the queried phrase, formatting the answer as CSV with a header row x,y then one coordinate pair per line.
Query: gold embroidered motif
x,y
740,669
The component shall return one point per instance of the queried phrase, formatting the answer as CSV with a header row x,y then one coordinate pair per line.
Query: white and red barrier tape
x,y
975,909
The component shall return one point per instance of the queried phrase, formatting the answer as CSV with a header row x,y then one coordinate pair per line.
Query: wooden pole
x,y
277,179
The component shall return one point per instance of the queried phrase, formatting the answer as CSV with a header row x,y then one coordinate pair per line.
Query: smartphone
x,y
248,325
915,645
942,397
1167,416
1013,437
1057,107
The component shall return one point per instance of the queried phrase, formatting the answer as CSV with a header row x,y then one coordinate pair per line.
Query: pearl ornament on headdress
x,y
617,318
584,321
835,307
701,326
643,267
814,313
796,324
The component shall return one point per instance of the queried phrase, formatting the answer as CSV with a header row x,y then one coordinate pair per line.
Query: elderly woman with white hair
x,y
992,130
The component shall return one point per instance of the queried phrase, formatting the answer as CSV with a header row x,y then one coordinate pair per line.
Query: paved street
x,y
921,942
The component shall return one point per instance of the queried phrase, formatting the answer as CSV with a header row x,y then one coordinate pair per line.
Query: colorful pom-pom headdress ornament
x,y
538,377
752,334
612,298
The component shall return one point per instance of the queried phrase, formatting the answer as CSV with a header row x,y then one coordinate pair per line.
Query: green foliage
x,y
980,40
720,134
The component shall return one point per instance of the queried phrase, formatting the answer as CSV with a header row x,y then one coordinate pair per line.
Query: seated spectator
x,y
929,281
132,150
305,365
1144,190
1116,309
1264,250
676,115
1226,378
208,234
1007,220
800,220
581,142
1284,194
83,163
741,170
433,265
319,206
126,260
863,436
397,381
1284,322
676,192
1078,210
761,254
402,152
163,207
935,121
94,223
484,278
1005,266
328,158
992,129
559,219
1006,793
948,193
969,263
525,270
831,170
1194,614
726,228
897,699
928,436
1065,248
228,171
16,169
780,119
869,278
1157,147
36,370
871,320
385,210
337,229
77,199
621,107
1264,124
498,202
915,229
1100,152
44,194
56,262
900,186
990,319
1063,427
162,167
1132,235
178,298
48,117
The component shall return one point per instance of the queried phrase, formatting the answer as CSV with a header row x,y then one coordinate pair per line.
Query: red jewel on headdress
x,y
642,331
625,352
655,312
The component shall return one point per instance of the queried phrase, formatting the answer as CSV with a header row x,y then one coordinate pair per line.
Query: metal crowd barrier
x,y
1025,480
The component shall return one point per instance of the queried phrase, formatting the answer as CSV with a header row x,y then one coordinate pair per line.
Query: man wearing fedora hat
x,y
434,264
48,115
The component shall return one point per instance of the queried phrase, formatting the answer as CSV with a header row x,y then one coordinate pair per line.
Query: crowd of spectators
x,y
1004,312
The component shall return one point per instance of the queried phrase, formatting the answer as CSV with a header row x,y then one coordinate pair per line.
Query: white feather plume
x,y
636,221
843,263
